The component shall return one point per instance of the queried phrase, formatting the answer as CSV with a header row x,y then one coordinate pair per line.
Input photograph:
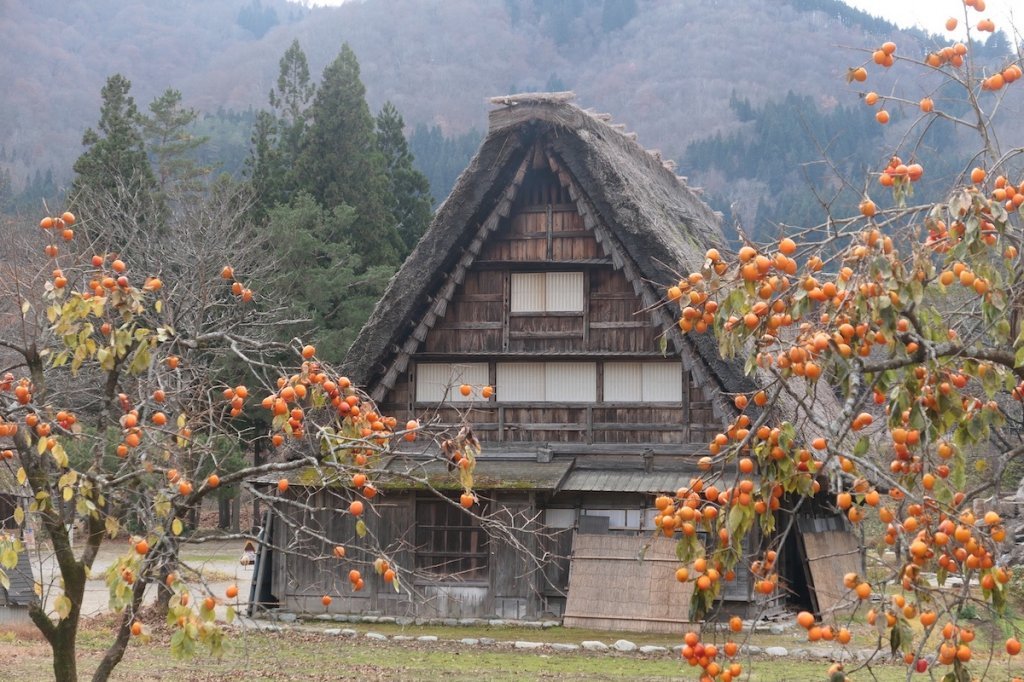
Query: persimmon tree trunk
x,y
62,634
116,650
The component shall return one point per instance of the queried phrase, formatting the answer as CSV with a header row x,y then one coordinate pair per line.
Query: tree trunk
x,y
62,635
163,598
65,664
224,513
116,651
236,511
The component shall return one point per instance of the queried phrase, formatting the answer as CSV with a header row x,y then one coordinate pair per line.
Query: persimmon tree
x,y
887,349
114,412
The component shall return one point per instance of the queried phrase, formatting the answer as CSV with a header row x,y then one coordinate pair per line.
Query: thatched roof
x,y
653,226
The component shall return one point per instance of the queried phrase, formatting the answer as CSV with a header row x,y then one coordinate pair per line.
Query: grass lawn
x,y
305,655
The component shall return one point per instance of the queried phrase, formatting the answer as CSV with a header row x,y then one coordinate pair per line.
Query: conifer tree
x,y
278,134
113,176
409,190
171,145
340,163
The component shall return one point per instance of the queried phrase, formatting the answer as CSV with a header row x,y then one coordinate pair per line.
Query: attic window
x,y
648,382
438,382
547,292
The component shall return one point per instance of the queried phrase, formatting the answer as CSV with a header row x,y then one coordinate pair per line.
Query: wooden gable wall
x,y
544,232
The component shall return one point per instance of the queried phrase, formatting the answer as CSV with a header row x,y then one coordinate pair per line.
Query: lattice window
x,y
568,382
450,544
439,381
643,382
547,292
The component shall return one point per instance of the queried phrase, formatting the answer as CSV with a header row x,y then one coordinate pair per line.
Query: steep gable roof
x,y
653,225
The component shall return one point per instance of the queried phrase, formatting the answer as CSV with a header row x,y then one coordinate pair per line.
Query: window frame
x,y
447,524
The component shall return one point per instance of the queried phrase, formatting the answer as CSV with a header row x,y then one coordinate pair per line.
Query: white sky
x,y
930,15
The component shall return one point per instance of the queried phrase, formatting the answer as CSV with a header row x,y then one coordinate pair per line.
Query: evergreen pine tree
x,y
410,199
113,178
172,146
278,135
264,167
340,163
318,271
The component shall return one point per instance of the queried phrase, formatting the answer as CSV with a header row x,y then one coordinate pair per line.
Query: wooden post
x,y
549,227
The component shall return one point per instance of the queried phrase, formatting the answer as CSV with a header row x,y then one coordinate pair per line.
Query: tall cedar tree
x,y
172,146
277,136
409,189
291,99
340,163
114,168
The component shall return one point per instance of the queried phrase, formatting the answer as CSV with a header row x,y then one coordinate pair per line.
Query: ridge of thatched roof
x,y
653,225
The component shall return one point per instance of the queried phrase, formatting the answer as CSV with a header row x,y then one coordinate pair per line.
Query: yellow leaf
x,y
22,476
68,493
19,515
62,605
60,456
159,305
176,526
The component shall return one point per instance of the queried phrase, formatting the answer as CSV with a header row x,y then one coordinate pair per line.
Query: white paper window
x,y
564,293
559,518
520,381
643,382
618,519
623,382
547,292
528,292
663,382
439,381
567,382
571,382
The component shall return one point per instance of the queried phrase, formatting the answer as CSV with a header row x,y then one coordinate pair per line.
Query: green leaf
x,y
861,448
229,614
5,582
361,528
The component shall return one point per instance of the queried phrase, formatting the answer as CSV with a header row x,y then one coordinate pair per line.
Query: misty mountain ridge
x,y
672,72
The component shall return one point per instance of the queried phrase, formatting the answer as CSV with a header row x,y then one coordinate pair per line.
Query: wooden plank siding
x,y
477,325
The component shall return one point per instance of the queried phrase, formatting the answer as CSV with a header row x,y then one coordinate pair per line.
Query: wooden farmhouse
x,y
543,275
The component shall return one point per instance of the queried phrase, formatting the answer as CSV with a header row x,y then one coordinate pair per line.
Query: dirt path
x,y
216,563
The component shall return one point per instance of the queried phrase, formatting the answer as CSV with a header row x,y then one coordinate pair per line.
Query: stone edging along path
x,y
290,622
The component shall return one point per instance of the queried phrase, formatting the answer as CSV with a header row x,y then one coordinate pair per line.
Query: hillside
x,y
666,70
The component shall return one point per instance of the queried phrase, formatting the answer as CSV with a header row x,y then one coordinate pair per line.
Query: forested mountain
x,y
668,70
